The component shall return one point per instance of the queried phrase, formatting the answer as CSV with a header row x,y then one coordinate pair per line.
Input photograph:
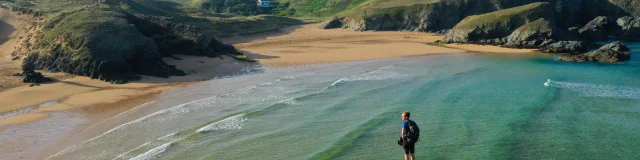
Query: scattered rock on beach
x,y
610,53
332,23
28,71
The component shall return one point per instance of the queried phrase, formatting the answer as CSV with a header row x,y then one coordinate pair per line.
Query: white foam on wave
x,y
153,153
290,101
274,93
22,111
293,77
243,72
170,111
597,90
162,143
232,123
384,73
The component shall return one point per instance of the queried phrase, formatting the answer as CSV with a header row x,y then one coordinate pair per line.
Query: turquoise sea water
x,y
467,106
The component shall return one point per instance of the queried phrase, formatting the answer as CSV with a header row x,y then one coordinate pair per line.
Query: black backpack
x,y
413,134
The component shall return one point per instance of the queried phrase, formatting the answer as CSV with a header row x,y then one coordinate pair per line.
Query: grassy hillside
x,y
525,13
178,11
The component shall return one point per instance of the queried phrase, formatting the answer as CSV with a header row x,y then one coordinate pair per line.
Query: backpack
x,y
413,134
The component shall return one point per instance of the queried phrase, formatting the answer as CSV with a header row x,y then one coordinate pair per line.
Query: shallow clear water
x,y
467,106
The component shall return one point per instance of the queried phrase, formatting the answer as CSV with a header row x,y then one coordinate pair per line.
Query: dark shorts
x,y
408,147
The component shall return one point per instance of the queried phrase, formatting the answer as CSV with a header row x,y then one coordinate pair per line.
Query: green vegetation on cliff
x,y
117,40
494,27
526,13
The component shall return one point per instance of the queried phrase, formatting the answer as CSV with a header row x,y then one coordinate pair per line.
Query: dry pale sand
x,y
306,44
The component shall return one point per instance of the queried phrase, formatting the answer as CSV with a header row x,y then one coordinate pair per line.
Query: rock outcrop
x,y
571,47
29,75
535,35
493,28
424,17
597,29
331,24
630,28
611,53
110,44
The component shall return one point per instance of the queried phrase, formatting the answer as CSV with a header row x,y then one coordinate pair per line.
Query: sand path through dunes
x,y
306,44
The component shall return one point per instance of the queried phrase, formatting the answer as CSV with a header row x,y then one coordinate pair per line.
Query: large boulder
x,y
572,47
597,29
332,23
494,27
534,35
630,29
611,53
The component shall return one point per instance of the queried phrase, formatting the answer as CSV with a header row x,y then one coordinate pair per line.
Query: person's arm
x,y
403,130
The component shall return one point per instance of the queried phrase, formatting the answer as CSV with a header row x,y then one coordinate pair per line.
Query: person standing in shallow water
x,y
408,145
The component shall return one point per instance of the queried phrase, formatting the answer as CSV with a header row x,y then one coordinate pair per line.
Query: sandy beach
x,y
306,44
290,46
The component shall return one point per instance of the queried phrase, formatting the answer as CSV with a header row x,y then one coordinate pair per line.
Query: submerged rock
x,y
331,24
573,47
610,53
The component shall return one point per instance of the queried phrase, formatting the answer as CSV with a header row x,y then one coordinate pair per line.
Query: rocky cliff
x,y
444,14
494,27
110,44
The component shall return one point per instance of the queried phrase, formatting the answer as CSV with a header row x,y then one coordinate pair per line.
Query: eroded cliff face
x,y
429,17
498,27
445,14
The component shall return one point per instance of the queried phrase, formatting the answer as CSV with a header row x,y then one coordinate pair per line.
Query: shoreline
x,y
287,47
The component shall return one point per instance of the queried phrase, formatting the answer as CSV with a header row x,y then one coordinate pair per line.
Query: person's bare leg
x,y
406,156
413,156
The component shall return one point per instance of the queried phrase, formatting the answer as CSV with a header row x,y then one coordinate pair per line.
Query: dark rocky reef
x,y
494,28
110,44
611,53
571,47
331,24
